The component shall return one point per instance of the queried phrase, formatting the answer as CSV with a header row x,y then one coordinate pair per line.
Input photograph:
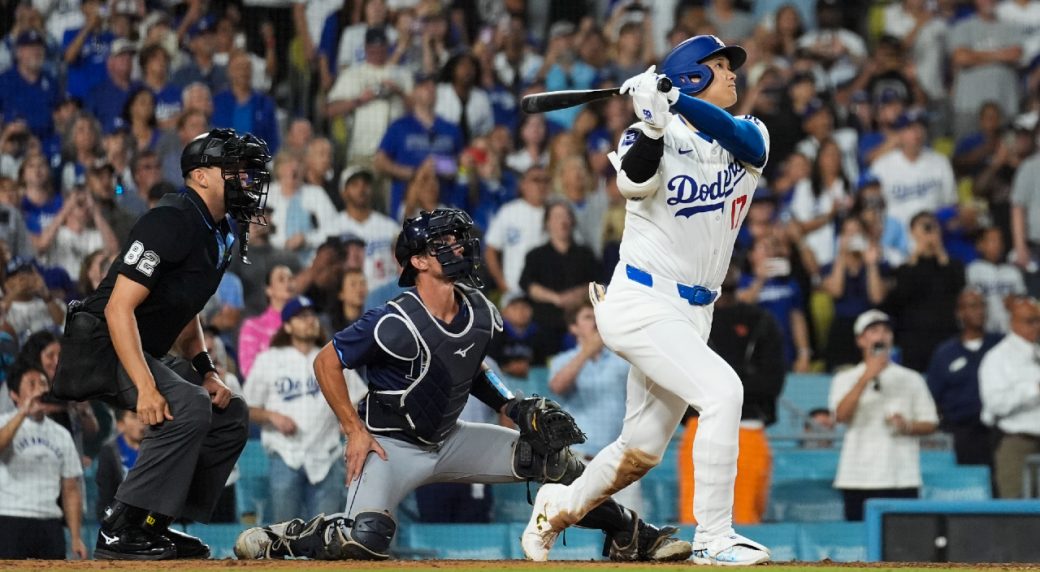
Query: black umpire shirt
x,y
179,253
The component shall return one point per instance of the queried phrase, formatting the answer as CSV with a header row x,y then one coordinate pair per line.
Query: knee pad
x,y
561,467
368,537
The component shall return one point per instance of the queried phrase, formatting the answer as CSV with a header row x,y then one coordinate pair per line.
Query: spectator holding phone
x,y
925,294
886,407
771,286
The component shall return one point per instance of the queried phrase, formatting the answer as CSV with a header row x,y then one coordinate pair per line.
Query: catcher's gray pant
x,y
472,453
183,464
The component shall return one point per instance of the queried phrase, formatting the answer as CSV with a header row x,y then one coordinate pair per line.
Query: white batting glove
x,y
650,105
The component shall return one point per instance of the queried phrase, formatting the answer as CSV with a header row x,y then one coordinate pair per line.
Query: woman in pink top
x,y
256,332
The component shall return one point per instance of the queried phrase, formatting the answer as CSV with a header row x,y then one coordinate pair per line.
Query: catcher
x,y
422,356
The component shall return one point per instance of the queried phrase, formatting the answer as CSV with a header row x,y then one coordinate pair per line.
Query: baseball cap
x,y
122,45
201,26
19,264
375,36
866,179
869,318
422,76
295,306
102,165
815,105
511,297
351,173
888,95
910,118
561,28
30,38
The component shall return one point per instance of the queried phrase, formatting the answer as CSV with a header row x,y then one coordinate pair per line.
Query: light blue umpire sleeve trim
x,y
738,136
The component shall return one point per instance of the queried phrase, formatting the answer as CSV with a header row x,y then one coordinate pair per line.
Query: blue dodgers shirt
x,y
779,296
30,102
408,142
89,69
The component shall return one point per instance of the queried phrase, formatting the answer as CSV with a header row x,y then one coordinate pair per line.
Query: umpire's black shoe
x,y
187,545
122,537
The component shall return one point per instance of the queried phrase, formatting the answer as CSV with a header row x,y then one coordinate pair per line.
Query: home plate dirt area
x,y
481,565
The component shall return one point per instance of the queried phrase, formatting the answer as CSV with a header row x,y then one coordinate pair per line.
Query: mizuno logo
x,y
462,352
109,540
685,151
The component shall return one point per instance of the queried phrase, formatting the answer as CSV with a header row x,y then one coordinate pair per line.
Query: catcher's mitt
x,y
544,424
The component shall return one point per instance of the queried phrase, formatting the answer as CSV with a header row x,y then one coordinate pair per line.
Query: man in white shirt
x,y
371,93
38,463
886,407
913,177
377,230
300,433
1009,386
517,228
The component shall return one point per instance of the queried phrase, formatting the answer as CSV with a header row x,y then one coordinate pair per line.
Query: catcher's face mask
x,y
445,235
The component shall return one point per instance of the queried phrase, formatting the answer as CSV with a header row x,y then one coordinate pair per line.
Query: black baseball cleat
x,y
647,543
188,546
122,537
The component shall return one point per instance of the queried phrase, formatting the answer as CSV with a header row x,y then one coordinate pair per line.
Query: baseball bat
x,y
553,100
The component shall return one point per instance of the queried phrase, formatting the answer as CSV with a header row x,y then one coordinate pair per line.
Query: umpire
x,y
117,342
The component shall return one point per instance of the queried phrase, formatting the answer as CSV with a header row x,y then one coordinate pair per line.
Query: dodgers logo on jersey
x,y
685,190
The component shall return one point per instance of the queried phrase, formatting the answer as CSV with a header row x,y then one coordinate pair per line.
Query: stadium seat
x,y
252,487
458,541
509,502
837,541
579,544
806,500
959,483
798,464
782,539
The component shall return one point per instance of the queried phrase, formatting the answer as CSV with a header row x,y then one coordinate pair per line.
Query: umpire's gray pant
x,y
183,464
472,453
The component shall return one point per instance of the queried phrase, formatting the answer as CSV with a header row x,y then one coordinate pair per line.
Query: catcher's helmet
x,y
684,65
421,234
242,160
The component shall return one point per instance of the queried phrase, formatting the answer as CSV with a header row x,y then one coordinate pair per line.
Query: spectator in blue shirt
x,y
202,45
771,286
138,119
409,140
563,70
589,382
85,51
243,108
40,203
26,91
155,69
953,378
106,100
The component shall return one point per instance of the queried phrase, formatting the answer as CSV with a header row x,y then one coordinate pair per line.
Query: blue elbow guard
x,y
737,136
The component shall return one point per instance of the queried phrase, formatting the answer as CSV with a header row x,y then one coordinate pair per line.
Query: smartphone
x,y
858,244
778,267
486,35
445,166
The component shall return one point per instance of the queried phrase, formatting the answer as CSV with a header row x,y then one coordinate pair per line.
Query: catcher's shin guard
x,y
366,537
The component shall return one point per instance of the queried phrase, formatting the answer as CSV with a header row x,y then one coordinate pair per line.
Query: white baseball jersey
x,y
910,187
686,230
379,233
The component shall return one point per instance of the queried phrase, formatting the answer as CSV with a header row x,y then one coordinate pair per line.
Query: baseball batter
x,y
689,180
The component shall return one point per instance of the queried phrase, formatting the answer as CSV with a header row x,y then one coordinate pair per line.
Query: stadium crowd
x,y
904,171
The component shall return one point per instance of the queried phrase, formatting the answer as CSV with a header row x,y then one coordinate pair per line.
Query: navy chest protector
x,y
443,365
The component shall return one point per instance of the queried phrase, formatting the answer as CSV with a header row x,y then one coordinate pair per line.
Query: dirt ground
x,y
477,565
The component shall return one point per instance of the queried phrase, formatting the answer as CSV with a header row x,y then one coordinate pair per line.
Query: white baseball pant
x,y
665,339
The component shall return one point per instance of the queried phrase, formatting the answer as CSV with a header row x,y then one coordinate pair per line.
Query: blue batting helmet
x,y
684,64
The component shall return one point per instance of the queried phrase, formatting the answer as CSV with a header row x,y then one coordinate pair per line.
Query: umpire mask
x,y
246,179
